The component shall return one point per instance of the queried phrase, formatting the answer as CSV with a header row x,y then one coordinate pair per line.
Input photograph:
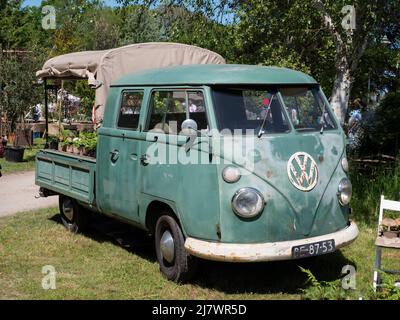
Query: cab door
x,y
174,170
118,166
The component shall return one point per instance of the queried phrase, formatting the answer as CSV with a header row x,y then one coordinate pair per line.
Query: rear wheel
x,y
73,216
175,263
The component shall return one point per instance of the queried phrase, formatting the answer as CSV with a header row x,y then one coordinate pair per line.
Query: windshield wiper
x,y
261,132
323,119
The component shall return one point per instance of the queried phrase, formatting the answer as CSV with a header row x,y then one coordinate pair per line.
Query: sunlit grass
x,y
368,188
97,266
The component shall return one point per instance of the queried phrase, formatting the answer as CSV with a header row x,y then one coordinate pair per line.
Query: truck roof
x,y
215,74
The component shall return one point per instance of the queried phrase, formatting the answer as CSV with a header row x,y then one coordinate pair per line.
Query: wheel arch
x,y
154,211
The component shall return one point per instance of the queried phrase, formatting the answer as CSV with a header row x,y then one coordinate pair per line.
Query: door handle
x,y
114,155
144,160
133,156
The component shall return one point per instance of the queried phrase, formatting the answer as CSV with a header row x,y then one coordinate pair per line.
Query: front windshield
x,y
305,107
260,110
249,110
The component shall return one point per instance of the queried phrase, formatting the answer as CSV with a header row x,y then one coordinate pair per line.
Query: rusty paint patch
x,y
269,174
218,228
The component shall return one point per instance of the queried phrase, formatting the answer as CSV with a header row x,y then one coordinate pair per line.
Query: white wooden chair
x,y
384,242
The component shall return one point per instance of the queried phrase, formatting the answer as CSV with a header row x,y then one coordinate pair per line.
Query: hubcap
x,y
68,209
167,246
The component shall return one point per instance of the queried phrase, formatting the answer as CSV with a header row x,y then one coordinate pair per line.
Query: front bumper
x,y
271,251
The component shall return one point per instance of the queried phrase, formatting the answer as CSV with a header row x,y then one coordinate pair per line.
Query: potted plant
x,y
69,145
53,142
77,145
65,138
62,147
89,143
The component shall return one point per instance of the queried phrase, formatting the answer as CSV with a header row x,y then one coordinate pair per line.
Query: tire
x,y
180,267
73,216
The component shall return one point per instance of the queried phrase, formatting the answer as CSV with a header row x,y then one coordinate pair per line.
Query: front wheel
x,y
175,263
73,216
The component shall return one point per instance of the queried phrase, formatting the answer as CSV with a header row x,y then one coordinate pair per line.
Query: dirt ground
x,y
17,193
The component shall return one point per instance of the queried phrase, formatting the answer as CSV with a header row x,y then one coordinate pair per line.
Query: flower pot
x,y
84,151
75,150
53,145
92,153
14,154
62,147
70,149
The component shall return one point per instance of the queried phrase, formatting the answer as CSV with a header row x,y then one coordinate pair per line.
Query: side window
x,y
130,110
169,110
197,109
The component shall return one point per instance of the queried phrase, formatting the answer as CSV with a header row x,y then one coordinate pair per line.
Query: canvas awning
x,y
101,68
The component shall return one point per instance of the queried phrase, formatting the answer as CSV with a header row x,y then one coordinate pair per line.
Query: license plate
x,y
313,249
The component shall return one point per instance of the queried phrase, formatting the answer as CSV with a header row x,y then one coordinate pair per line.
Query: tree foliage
x,y
382,130
300,34
18,89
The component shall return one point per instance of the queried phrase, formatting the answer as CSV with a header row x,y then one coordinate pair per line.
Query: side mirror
x,y
189,126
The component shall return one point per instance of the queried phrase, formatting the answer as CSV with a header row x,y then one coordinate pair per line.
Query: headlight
x,y
248,203
345,165
345,191
231,174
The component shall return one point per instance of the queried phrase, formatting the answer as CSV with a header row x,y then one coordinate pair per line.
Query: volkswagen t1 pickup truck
x,y
224,162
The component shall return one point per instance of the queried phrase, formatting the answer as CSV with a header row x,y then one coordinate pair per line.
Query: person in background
x,y
354,124
36,113
192,106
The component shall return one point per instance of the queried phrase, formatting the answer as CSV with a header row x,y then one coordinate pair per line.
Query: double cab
x,y
224,162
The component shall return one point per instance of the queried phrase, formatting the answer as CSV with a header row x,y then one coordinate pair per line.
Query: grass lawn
x,y
29,159
115,262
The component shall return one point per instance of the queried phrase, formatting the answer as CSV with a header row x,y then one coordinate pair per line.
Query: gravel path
x,y
17,193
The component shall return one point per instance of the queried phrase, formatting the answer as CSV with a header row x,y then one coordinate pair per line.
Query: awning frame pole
x,y
46,113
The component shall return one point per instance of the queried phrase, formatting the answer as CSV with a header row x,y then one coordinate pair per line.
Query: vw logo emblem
x,y
302,171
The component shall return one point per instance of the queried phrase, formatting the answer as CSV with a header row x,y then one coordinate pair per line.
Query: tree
x,y
17,84
140,24
382,130
81,89
202,23
378,72
285,34
290,33
372,17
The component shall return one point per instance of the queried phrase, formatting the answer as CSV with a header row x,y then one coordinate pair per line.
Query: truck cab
x,y
223,162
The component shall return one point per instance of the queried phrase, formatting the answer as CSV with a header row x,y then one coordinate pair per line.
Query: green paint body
x,y
117,184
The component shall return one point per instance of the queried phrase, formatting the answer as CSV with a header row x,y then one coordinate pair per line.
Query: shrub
x,y
322,290
387,290
381,131
88,141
